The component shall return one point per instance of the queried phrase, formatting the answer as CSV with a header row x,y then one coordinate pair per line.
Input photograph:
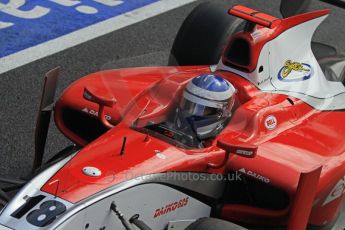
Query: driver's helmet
x,y
207,103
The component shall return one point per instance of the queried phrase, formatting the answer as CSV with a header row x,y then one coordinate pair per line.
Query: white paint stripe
x,y
202,101
216,96
83,35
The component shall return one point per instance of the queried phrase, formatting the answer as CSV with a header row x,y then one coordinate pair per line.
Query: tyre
x,y
213,224
333,67
203,35
321,50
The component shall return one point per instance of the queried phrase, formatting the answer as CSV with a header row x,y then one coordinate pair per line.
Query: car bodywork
x,y
287,123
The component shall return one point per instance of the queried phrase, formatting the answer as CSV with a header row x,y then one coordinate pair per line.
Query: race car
x,y
249,136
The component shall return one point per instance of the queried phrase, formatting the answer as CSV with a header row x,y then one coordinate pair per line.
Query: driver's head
x,y
207,103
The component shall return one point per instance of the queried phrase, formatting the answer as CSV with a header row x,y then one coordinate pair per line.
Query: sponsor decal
x,y
94,113
295,71
337,191
172,207
264,80
271,122
244,152
255,175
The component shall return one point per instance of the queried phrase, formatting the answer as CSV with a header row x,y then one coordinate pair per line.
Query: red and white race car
x,y
277,161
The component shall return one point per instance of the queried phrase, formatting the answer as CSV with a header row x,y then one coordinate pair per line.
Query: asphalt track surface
x,y
145,43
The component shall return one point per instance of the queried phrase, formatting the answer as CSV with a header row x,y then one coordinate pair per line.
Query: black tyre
x,y
213,224
203,35
321,50
331,73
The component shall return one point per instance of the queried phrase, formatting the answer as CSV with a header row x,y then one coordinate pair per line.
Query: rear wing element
x,y
254,16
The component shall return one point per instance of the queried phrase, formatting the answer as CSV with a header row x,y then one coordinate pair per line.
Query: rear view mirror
x,y
240,149
103,100
93,95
